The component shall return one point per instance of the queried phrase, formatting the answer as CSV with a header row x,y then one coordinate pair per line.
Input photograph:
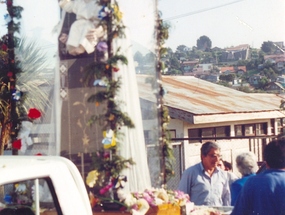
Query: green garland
x,y
10,107
107,163
167,156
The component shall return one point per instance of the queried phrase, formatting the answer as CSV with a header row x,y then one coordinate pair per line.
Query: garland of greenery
x,y
107,163
167,157
10,104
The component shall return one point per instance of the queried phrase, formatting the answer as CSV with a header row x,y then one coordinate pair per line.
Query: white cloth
x,y
24,135
86,19
133,144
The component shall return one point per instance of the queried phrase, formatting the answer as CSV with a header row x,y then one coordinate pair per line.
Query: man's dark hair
x,y
207,146
228,165
274,154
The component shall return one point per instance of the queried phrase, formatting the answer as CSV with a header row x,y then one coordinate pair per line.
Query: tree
x,y
182,48
268,47
138,57
204,43
228,78
262,83
174,62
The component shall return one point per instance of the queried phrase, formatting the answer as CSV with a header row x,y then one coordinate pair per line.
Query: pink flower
x,y
106,189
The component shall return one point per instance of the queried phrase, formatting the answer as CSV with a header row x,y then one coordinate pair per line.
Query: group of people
x,y
211,182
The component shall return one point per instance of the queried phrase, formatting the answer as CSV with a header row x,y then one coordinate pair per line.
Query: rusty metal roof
x,y
199,97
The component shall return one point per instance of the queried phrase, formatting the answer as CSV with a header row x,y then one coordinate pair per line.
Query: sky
x,y
39,18
226,22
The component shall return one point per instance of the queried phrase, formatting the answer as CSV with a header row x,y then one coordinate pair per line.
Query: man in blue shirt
x,y
205,183
264,193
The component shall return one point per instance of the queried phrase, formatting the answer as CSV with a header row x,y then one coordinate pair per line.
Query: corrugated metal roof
x,y
200,97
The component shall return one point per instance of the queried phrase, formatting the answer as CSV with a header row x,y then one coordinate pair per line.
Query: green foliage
x,y
107,164
204,43
229,78
268,47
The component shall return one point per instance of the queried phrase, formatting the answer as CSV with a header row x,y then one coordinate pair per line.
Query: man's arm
x,y
185,182
226,197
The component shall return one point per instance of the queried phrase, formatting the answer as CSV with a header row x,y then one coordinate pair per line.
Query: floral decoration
x,y
10,99
105,177
141,202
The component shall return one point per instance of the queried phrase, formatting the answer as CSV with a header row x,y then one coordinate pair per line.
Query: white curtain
x,y
133,144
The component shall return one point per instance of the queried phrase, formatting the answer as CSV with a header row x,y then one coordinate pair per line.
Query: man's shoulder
x,y
194,167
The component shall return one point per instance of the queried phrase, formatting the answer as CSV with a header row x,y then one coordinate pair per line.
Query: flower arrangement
x,y
105,177
144,202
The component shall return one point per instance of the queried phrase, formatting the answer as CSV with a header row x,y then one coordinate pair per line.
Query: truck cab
x,y
46,185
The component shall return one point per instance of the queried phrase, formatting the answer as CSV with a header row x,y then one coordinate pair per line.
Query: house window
x,y
281,125
251,129
223,131
208,132
261,128
238,130
193,133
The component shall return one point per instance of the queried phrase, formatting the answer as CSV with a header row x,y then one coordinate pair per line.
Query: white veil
x,y
133,145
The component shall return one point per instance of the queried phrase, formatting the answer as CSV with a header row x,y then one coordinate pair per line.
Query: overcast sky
x,y
226,22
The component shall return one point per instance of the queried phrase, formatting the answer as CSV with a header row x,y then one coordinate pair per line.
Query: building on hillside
x,y
281,80
202,111
240,52
275,87
278,60
187,66
239,70
254,79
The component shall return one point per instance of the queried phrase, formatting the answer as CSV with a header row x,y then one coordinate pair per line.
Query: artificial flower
x,y
20,188
102,46
92,177
104,13
93,200
117,12
4,47
10,74
120,181
16,95
100,82
106,188
111,117
17,144
34,113
109,139
7,18
141,207
115,69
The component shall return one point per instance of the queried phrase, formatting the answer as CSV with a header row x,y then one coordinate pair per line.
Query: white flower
x,y
143,207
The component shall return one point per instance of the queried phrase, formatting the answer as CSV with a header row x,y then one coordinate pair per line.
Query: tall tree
x,y
204,43
268,47
138,57
182,48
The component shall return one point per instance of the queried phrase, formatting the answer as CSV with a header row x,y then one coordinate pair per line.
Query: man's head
x,y
221,164
210,155
274,154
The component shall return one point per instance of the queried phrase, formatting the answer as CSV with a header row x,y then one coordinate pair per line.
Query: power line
x,y
201,11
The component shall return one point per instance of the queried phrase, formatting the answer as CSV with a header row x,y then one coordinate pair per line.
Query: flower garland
x,y
105,177
10,104
167,157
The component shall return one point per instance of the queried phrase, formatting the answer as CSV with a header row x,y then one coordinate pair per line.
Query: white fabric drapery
x,y
133,144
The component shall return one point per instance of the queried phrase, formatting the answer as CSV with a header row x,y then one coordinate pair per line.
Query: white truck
x,y
49,185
